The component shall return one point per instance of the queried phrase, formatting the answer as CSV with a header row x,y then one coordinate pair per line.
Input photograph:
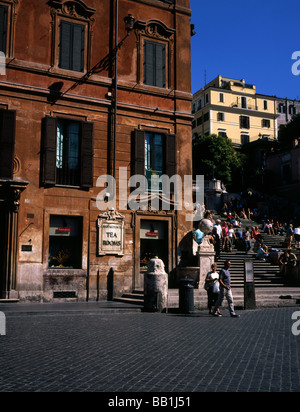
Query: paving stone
x,y
139,352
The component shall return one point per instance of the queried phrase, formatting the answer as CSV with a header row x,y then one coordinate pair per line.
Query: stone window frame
x,y
11,23
155,31
73,11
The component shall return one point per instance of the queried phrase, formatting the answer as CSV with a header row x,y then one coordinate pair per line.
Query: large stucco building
x,y
234,109
69,116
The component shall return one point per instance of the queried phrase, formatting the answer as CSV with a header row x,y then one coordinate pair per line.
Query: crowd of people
x,y
232,233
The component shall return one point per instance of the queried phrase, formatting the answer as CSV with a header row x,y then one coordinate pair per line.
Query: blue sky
x,y
251,40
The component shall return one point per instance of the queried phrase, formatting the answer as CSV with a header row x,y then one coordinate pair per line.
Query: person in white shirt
x,y
219,228
212,287
297,236
232,237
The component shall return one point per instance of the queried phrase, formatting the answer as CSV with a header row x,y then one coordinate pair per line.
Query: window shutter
x,y
78,48
3,28
49,150
171,156
149,67
65,45
160,65
7,143
138,153
87,154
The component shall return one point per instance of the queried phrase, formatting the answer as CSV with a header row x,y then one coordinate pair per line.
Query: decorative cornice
x,y
155,29
72,8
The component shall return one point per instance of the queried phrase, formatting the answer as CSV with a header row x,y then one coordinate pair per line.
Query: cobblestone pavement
x,y
139,352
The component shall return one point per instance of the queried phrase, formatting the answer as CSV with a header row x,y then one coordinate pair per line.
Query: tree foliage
x,y
289,132
215,157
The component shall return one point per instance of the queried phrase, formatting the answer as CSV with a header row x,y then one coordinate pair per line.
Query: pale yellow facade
x,y
232,108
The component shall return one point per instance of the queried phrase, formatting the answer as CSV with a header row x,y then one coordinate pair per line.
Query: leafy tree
x,y
215,157
289,132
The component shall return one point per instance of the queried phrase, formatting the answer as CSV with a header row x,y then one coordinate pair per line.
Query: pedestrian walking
x,y
247,237
212,287
225,236
225,291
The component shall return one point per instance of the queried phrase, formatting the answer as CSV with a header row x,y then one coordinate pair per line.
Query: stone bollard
x,y
155,287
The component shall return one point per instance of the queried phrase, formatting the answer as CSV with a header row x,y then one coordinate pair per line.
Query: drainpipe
x,y
116,88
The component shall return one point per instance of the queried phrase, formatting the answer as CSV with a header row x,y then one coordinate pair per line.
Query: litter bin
x,y
186,296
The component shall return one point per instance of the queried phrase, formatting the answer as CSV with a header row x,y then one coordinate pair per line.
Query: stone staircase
x,y
269,285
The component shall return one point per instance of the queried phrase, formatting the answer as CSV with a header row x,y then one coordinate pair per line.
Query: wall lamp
x,y
129,22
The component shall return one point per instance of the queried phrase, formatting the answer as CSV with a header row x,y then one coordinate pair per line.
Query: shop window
x,y
67,153
65,242
154,242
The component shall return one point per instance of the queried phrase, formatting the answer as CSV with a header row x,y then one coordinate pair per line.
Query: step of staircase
x,y
135,298
269,284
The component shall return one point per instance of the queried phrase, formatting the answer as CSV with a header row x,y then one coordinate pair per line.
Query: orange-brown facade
x,y
58,138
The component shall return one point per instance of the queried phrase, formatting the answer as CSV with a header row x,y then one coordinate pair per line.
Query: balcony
x,y
249,106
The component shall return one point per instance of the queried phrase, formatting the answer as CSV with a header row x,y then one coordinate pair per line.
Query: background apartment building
x,y
232,108
68,115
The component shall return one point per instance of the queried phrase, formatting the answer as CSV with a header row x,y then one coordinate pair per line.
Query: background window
x,y
244,122
244,102
266,123
220,117
245,138
154,64
72,39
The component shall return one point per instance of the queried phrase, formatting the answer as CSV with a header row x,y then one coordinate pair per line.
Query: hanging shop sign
x,y
111,234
